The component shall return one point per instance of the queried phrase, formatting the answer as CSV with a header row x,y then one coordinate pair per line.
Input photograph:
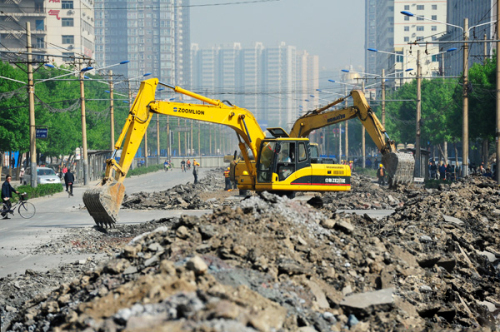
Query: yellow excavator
x,y
282,164
399,166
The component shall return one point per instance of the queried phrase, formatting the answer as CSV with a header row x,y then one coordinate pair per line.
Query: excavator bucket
x,y
103,202
399,167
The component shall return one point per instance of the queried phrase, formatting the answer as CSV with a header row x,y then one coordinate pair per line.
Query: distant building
x,y
154,35
477,12
269,82
393,33
61,27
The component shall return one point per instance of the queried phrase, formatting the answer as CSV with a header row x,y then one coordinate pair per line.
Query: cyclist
x,y
183,165
7,191
165,165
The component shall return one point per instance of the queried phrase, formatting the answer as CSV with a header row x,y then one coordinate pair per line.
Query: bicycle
x,y
25,209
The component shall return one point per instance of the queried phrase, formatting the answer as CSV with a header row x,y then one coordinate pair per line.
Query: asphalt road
x,y
57,213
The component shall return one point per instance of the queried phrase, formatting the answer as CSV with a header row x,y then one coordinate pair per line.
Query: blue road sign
x,y
42,133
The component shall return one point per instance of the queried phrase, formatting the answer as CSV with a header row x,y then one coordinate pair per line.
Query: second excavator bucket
x,y
103,202
399,167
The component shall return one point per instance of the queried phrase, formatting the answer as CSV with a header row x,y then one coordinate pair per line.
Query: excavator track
x,y
103,203
399,167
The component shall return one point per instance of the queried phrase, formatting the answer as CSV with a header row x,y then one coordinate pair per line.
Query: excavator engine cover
x,y
399,167
103,202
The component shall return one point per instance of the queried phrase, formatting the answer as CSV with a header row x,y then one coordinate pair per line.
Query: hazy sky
x,y
331,29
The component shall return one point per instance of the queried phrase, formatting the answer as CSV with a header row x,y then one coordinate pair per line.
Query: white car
x,y
46,175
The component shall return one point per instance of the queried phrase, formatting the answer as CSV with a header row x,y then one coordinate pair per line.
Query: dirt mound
x,y
182,197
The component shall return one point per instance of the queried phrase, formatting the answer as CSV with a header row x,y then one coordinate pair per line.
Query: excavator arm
x,y
103,202
399,165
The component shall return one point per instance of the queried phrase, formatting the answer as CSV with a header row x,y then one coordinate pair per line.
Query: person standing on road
x,y
442,171
195,173
69,178
7,191
381,175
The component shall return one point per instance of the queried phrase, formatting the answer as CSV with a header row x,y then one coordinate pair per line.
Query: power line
x,y
154,6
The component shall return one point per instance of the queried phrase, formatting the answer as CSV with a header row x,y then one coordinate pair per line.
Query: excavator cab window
x,y
286,160
265,167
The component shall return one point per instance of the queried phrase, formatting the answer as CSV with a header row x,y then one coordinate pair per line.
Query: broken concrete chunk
x,y
453,220
364,300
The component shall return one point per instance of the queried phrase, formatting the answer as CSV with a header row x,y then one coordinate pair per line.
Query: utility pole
x,y
497,138
210,134
157,138
419,105
465,128
199,140
31,94
112,110
191,139
346,131
363,133
383,98
179,134
168,138
84,129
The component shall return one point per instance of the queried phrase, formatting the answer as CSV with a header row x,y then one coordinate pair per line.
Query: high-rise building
x,y
59,27
269,82
370,34
153,34
280,81
395,31
478,12
307,82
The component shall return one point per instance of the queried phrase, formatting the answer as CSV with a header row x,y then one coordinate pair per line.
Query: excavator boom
x,y
104,201
399,166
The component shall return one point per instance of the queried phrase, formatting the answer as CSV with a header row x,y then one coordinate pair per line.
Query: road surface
x,y
57,213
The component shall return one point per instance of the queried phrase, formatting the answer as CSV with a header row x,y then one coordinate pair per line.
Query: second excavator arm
x,y
399,166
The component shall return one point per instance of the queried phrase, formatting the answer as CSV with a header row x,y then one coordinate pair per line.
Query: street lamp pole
x,y
465,113
419,106
84,129
111,110
31,94
383,98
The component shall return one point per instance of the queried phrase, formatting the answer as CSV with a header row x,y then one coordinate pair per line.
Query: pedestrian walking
x,y
227,179
21,175
7,191
69,178
13,162
442,171
195,173
433,170
381,174
64,171
188,163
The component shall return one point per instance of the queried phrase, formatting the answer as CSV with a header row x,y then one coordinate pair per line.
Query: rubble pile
x,y
95,240
365,194
268,263
182,197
